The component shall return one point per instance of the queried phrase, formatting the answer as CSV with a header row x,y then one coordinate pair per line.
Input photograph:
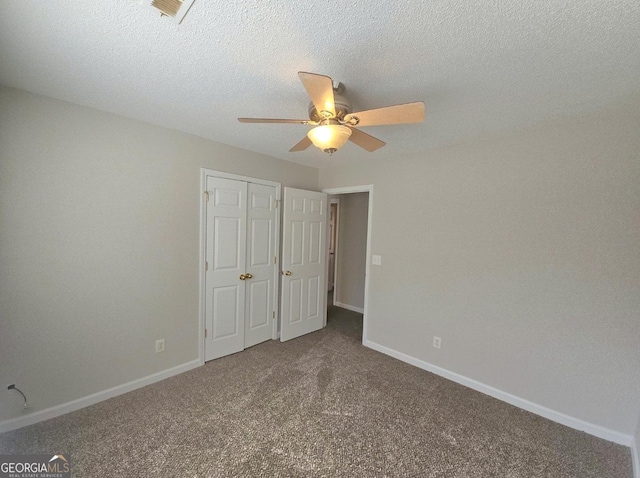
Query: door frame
x,y
335,201
368,188
204,173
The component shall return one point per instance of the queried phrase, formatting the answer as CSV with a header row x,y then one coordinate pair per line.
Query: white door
x,y
225,266
303,262
260,263
241,270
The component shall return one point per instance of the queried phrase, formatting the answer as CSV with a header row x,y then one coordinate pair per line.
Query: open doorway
x,y
348,250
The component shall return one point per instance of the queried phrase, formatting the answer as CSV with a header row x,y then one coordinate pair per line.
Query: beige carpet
x,y
318,406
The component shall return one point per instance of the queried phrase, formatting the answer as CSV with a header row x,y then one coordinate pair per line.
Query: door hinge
x,y
205,333
276,202
275,259
206,196
206,265
273,314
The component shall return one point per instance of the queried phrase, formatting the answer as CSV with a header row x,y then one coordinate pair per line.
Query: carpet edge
x,y
553,415
88,400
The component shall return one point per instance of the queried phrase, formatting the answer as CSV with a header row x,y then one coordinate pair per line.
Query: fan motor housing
x,y
342,105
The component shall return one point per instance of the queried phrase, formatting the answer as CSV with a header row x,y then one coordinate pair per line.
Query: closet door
x,y
226,248
261,264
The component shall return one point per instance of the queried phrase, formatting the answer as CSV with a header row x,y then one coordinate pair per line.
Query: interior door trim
x,y
204,173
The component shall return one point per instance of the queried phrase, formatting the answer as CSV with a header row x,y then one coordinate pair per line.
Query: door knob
x,y
243,277
248,276
287,273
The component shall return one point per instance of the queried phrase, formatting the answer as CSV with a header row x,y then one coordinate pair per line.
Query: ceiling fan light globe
x,y
329,138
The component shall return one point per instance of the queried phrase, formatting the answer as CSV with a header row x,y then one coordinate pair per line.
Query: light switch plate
x,y
376,260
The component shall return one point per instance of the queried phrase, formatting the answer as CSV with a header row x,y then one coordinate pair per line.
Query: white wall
x,y
523,253
352,249
99,245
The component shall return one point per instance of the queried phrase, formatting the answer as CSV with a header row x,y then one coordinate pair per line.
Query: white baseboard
x,y
635,456
94,398
352,308
590,428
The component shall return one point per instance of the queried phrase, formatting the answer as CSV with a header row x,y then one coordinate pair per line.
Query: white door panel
x,y
315,236
303,262
227,254
261,264
226,243
225,302
259,246
295,301
313,297
296,245
258,304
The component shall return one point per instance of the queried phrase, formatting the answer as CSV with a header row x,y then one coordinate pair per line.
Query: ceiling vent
x,y
175,10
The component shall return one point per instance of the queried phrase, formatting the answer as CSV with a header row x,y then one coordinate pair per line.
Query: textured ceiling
x,y
480,66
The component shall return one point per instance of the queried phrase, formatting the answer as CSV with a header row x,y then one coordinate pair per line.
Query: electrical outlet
x,y
159,346
376,260
437,342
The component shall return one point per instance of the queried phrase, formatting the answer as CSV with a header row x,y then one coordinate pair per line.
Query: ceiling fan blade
x,y
302,145
320,90
365,141
272,120
397,114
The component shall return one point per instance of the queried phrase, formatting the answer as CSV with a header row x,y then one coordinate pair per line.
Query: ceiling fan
x,y
335,123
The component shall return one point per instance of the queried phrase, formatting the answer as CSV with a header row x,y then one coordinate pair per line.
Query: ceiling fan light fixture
x,y
331,114
329,137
